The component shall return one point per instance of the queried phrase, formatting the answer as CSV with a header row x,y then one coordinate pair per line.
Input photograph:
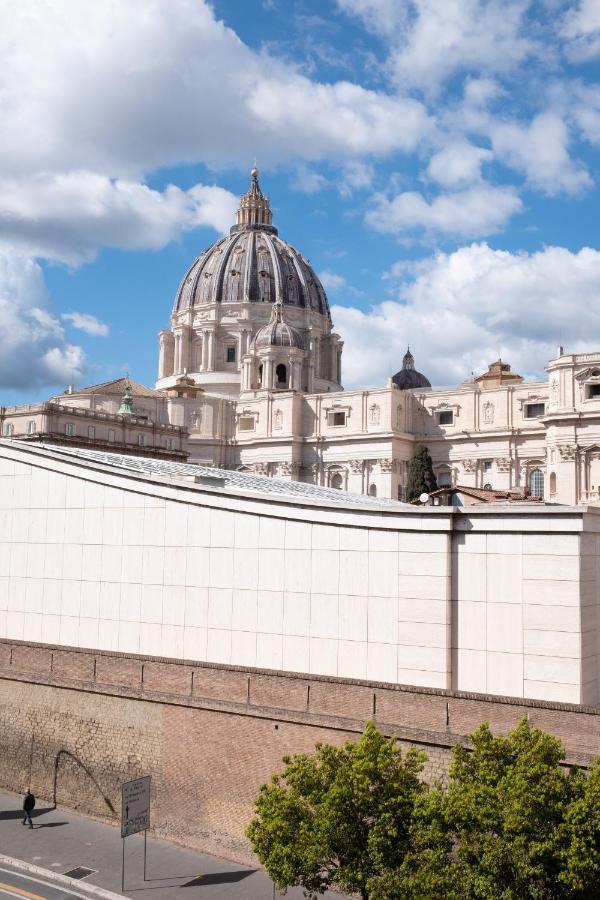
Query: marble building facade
x,y
250,378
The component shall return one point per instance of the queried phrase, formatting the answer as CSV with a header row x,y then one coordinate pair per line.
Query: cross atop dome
x,y
254,209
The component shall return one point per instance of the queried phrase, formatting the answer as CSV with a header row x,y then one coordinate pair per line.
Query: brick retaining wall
x,y
82,722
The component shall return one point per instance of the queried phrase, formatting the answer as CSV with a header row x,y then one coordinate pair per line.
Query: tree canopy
x,y
340,817
421,477
512,822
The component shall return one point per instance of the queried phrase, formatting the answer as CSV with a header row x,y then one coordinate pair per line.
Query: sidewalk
x,y
62,840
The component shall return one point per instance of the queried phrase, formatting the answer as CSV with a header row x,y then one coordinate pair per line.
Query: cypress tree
x,y
421,477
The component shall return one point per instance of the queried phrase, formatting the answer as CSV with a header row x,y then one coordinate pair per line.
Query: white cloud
x,y
307,181
431,40
87,323
125,88
331,281
473,212
540,150
459,311
33,348
66,217
458,163
581,30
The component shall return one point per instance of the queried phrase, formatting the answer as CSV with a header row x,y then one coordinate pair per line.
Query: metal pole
x,y
123,869
145,834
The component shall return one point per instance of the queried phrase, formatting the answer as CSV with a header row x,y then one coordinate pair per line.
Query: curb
x,y
50,875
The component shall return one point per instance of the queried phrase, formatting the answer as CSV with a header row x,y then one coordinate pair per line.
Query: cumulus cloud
x,y
171,84
581,30
431,41
461,310
540,150
87,323
33,349
474,212
458,163
66,217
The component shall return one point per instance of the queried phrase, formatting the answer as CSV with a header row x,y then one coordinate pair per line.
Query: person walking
x,y
28,807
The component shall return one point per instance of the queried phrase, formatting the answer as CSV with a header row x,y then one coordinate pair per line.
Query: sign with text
x,y
135,806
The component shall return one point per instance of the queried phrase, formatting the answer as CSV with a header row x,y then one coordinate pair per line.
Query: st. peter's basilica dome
x,y
253,264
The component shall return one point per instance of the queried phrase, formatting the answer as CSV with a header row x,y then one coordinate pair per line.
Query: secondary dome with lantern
x,y
278,333
408,378
252,264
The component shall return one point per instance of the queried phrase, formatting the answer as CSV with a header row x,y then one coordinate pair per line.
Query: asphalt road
x,y
21,886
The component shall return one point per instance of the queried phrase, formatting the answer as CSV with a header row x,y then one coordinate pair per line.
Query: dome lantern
x,y
254,210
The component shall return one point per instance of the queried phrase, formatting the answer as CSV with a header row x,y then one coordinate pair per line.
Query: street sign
x,y
135,806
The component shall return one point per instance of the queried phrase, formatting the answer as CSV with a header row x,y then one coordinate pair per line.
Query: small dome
x,y
408,378
278,333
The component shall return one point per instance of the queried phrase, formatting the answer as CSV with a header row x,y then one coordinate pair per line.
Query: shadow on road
x,y
49,825
18,813
219,878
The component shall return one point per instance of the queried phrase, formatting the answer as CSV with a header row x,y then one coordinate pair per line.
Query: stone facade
x,y
75,724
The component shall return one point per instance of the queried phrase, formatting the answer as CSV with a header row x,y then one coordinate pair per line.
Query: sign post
x,y
135,815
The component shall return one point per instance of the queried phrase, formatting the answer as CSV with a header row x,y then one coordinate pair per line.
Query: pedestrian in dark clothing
x,y
28,807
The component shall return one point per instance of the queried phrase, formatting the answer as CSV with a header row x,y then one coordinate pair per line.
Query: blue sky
x,y
436,160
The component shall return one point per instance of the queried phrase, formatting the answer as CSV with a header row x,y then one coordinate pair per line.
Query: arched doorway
x,y
337,481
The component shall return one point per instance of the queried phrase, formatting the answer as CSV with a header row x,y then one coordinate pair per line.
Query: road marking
x,y
18,892
53,885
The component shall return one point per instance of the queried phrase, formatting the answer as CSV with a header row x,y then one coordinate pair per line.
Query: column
x,y
268,374
211,351
177,360
333,363
204,365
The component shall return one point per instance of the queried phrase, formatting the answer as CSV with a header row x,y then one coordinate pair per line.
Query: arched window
x,y
487,487
372,490
281,375
260,375
552,483
8,429
536,483
337,481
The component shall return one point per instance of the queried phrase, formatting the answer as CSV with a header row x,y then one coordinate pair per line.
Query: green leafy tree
x,y
581,833
512,824
340,817
421,477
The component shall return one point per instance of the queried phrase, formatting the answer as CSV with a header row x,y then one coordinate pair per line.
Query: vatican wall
x,y
75,724
501,600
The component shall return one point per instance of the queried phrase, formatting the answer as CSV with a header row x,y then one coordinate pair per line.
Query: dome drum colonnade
x,y
220,308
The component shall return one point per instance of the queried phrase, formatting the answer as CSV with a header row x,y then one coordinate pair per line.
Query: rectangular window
x,y
91,432
487,465
8,429
31,427
246,423
141,440
446,417
169,443
593,390
336,419
111,435
534,410
70,429
231,354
